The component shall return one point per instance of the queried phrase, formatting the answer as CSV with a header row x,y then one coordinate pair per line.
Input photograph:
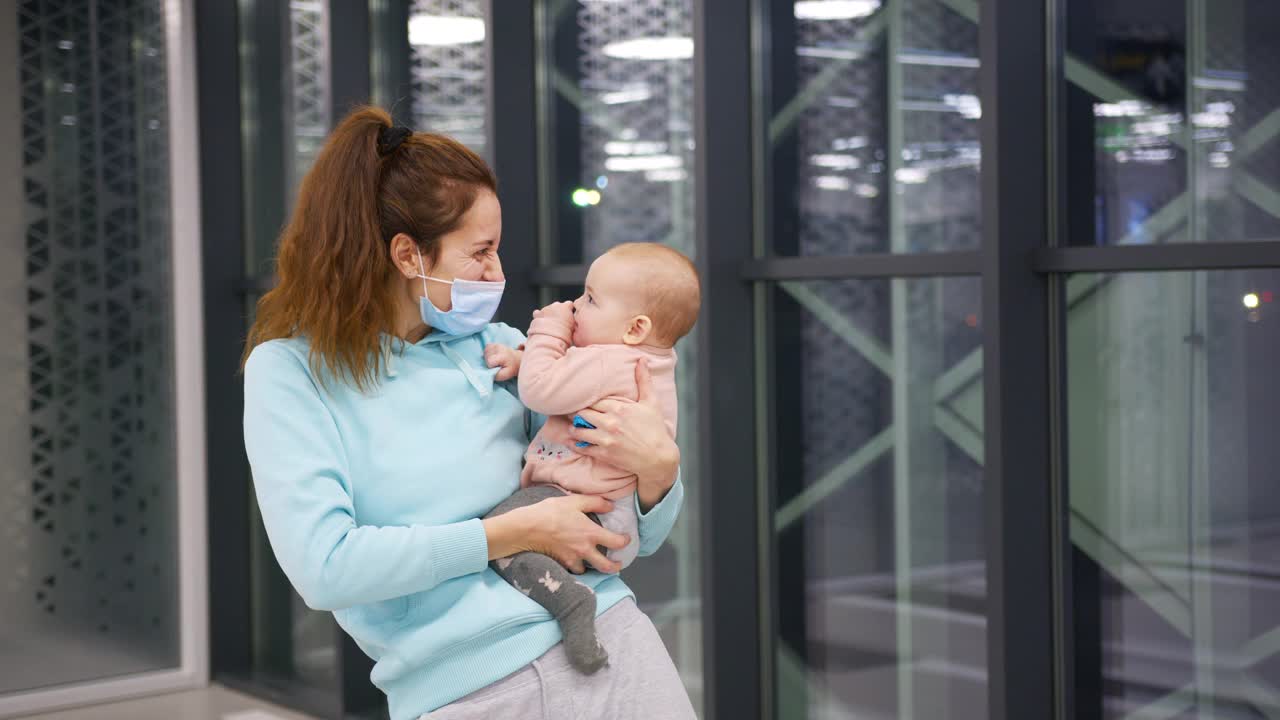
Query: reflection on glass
x,y
1175,512
872,126
877,430
284,119
89,535
616,135
447,69
1170,117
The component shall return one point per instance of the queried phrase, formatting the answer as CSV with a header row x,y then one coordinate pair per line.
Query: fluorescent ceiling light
x,y
836,161
640,93
653,48
835,9
675,175
439,31
911,176
832,182
638,163
636,147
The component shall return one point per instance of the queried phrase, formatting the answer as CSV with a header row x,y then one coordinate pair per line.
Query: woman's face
x,y
470,252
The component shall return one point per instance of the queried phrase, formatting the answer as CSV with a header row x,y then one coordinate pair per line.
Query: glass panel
x,y
871,126
447,65
877,444
1172,109
1174,507
89,499
616,128
285,116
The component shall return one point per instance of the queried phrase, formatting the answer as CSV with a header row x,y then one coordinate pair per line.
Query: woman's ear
x,y
638,330
404,255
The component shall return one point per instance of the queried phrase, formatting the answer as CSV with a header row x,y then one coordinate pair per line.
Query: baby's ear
x,y
638,330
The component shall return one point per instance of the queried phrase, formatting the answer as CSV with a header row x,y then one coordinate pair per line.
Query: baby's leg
x,y
622,520
572,603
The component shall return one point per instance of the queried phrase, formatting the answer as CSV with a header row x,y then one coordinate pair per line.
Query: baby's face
x,y
609,303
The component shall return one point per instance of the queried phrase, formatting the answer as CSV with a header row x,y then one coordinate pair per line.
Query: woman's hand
x,y
634,437
558,528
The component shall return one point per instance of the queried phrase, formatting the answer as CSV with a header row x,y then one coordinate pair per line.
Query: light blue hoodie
x,y
371,504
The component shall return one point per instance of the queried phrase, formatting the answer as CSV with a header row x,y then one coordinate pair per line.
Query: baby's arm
x,y
555,378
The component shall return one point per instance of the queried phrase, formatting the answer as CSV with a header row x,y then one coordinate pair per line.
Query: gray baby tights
x,y
548,583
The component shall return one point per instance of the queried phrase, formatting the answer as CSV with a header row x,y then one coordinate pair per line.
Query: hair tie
x,y
390,138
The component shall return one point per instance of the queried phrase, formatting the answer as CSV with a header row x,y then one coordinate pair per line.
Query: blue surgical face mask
x,y
474,304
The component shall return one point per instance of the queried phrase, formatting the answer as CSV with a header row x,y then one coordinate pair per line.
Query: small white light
x,y
911,176
441,31
1212,119
1219,160
642,163
676,175
832,182
1124,108
849,143
967,105
836,161
867,191
835,9
654,48
1251,300
626,95
636,147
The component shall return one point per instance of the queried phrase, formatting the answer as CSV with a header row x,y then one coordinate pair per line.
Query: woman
x,y
379,438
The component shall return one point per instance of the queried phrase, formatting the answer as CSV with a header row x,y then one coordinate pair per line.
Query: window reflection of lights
x,y
438,30
1211,119
835,9
639,147
834,53
583,197
1219,160
836,161
654,48
867,191
626,95
1124,108
1251,300
602,182
967,105
676,175
642,163
1122,157
911,176
938,60
1153,156
849,143
843,102
832,182
1228,84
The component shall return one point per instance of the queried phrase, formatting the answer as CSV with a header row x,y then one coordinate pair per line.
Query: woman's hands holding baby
x,y
558,528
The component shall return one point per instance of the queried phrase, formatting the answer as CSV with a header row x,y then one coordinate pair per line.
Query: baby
x,y
640,298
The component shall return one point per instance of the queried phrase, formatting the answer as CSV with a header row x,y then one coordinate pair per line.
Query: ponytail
x,y
335,279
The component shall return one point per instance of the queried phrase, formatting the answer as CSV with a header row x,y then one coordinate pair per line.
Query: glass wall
x,y
89,543
1171,125
1174,510
285,107
874,389
616,134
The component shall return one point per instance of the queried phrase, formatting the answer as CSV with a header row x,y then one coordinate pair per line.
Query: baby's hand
x,y
558,310
501,356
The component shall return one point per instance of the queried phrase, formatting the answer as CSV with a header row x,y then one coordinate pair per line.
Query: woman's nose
x,y
493,270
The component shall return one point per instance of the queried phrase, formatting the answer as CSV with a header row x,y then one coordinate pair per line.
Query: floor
x,y
211,703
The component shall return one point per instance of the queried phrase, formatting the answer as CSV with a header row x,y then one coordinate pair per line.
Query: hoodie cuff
x,y
459,549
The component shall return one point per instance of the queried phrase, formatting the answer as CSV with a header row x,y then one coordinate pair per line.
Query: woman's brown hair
x,y
335,279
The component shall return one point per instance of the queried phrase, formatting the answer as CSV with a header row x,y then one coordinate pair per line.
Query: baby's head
x,y
637,294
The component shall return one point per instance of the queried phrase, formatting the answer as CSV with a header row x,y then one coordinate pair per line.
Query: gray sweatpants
x,y
640,682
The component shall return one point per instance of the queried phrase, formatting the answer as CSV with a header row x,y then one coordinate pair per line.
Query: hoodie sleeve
x,y
656,524
303,485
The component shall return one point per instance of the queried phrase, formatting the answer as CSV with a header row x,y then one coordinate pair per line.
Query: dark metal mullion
x,y
222,258
1018,498
350,48
510,103
1153,258
732,660
351,85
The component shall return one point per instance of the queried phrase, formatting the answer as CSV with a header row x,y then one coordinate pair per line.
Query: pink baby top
x,y
559,380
